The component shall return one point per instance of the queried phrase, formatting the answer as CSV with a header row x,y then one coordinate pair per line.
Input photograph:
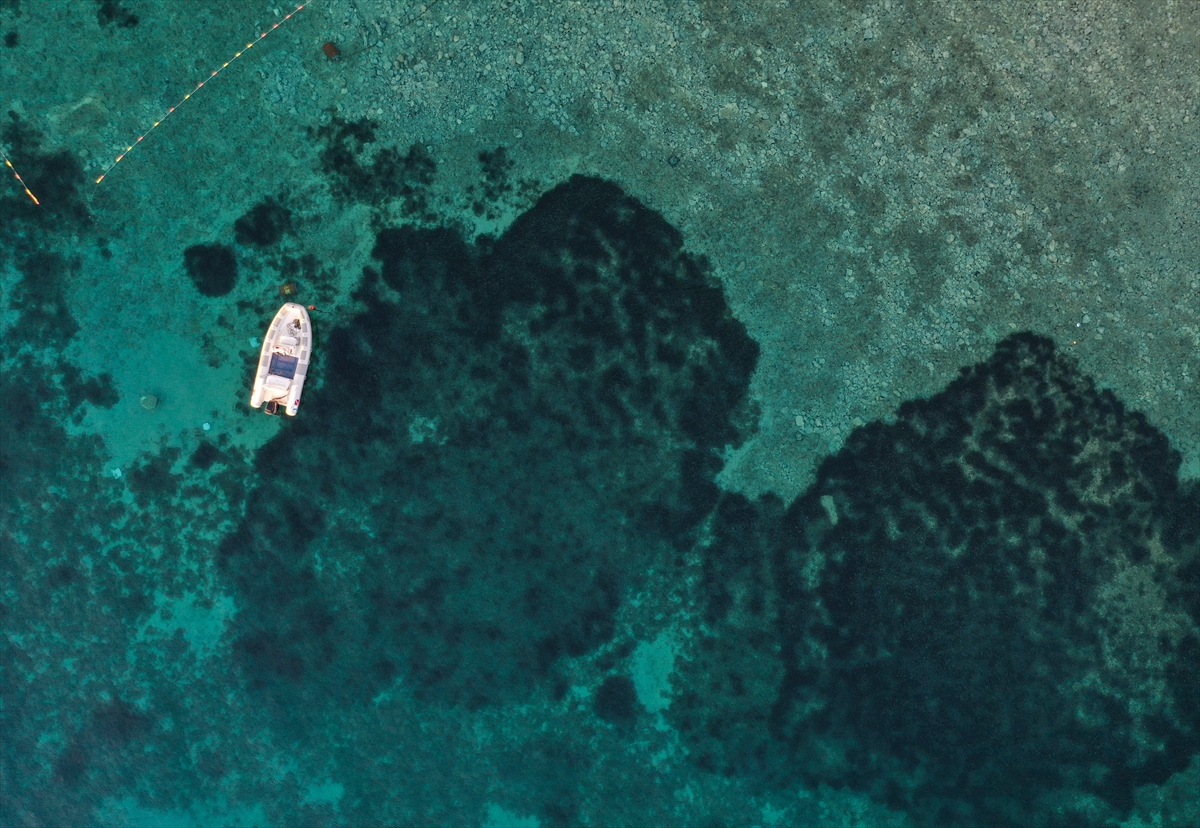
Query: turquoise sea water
x,y
760,414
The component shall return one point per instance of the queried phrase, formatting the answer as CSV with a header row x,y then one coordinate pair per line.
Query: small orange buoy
x,y
331,50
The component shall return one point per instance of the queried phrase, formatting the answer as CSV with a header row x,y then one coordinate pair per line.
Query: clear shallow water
x,y
487,576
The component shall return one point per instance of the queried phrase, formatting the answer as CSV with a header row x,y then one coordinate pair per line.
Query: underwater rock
x,y
995,630
264,225
212,268
616,701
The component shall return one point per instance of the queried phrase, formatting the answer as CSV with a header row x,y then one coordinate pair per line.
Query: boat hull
x,y
283,361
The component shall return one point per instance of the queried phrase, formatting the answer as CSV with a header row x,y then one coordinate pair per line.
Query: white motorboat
x,y
283,361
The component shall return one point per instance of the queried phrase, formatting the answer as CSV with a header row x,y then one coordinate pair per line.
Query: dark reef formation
x,y
506,437
264,225
55,178
211,267
361,169
983,613
616,701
